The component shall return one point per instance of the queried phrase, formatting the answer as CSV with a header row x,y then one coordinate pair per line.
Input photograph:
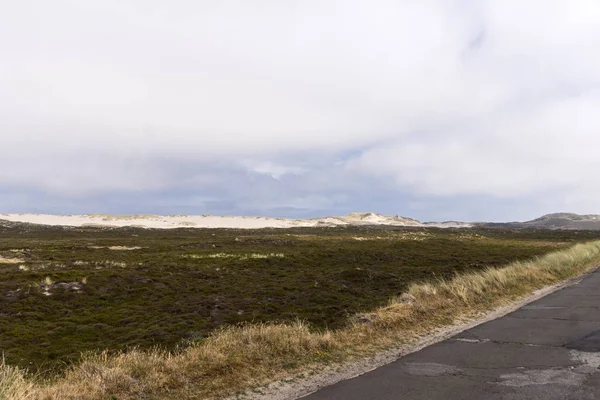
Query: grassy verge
x,y
236,358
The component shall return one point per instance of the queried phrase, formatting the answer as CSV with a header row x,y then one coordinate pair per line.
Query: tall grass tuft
x,y
13,383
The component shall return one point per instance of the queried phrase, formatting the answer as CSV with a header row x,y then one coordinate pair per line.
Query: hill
x,y
554,221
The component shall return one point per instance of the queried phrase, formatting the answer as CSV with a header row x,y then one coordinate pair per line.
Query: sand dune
x,y
210,221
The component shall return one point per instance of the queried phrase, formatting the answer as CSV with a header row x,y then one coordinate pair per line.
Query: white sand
x,y
4,260
209,221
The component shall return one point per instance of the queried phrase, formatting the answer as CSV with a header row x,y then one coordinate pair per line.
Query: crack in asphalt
x,y
479,340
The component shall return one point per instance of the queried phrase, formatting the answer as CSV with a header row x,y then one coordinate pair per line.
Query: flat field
x,y
68,290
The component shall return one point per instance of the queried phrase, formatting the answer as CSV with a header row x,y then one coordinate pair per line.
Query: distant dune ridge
x,y
210,221
556,221
550,221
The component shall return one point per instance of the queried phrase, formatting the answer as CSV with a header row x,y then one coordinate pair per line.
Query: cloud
x,y
554,145
309,105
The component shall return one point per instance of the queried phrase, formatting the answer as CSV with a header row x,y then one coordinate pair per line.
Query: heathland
x,y
64,291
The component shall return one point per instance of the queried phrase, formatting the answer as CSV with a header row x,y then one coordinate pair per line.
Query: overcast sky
x,y
433,109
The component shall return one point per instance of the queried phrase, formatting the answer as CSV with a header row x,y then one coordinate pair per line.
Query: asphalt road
x,y
549,349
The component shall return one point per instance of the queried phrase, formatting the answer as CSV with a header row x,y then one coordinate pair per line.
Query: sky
x,y
433,109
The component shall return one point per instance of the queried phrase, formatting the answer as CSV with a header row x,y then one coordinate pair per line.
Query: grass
x,y
6,260
237,256
182,285
238,357
212,311
13,383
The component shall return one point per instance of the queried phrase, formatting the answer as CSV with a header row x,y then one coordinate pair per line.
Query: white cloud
x,y
235,77
274,170
553,145
441,97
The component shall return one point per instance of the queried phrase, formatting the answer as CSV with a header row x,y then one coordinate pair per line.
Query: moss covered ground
x,y
64,291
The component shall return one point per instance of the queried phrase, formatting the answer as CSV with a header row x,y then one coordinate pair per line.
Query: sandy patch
x,y
12,260
124,248
414,236
47,285
236,256
117,248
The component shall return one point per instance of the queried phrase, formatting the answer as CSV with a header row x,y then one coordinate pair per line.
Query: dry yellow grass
x,y
13,384
12,260
237,256
237,358
120,248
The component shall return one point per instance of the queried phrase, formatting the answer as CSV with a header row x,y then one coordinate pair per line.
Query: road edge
x,y
301,386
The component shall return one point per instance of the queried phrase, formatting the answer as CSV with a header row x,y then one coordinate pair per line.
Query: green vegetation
x,y
68,290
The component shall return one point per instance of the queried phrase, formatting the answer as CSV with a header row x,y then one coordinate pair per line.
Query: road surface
x,y
549,349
